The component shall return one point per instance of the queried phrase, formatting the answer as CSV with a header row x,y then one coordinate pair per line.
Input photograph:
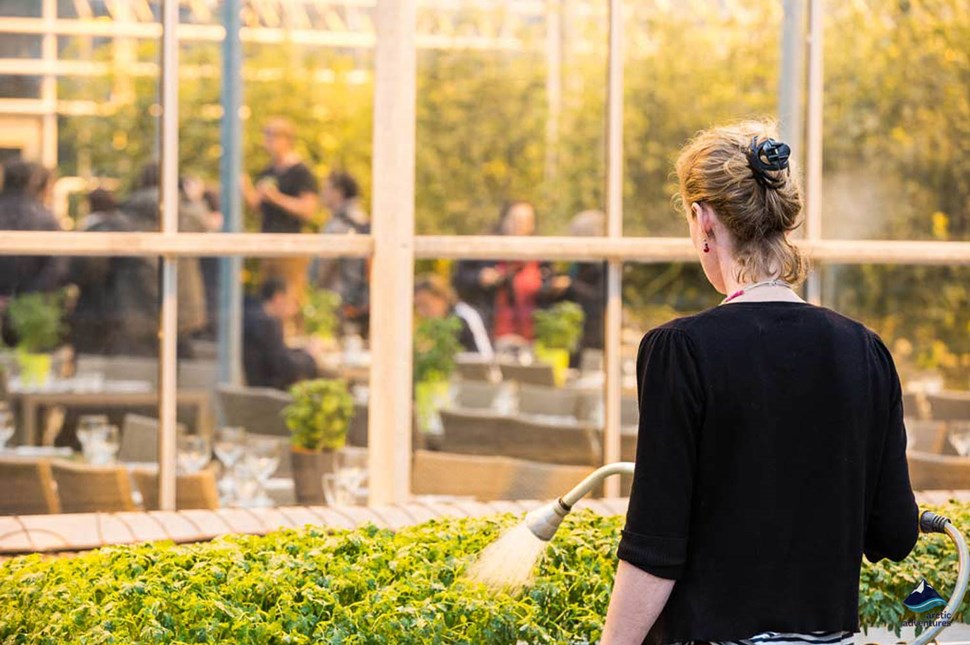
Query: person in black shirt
x,y
285,193
771,453
117,303
21,209
267,360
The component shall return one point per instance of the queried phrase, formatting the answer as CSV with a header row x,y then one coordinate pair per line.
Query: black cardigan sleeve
x,y
892,527
671,411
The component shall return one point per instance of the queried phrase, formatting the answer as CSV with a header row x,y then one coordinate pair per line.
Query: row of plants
x,y
365,586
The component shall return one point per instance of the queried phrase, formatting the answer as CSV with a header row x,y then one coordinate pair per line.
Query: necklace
x,y
774,282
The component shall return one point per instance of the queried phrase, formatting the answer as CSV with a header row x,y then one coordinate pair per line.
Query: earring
x,y
707,249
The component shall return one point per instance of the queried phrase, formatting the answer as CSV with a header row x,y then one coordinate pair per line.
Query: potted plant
x,y
558,330
321,313
318,419
435,346
36,321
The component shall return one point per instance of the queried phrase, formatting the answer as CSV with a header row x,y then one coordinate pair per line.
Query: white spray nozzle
x,y
545,520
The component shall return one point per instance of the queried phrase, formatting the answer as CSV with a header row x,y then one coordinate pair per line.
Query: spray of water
x,y
508,562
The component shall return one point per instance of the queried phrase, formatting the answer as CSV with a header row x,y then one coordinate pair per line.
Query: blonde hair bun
x,y
745,175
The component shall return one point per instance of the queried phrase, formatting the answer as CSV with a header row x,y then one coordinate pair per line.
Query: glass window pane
x,y
921,312
671,93
508,377
894,164
512,108
80,372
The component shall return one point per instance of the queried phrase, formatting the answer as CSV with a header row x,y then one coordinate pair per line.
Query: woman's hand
x,y
638,597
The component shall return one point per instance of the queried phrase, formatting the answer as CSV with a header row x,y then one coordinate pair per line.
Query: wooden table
x,y
32,404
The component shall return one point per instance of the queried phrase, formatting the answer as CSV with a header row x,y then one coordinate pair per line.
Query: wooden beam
x,y
392,277
184,244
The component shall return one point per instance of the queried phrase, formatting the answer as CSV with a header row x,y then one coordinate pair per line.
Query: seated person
x,y
434,298
266,358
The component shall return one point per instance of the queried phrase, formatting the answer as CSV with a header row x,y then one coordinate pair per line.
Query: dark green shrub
x,y
366,586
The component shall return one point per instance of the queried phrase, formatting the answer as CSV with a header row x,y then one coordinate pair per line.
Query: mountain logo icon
x,y
923,598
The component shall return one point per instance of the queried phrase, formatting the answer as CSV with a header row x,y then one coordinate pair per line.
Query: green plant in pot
x,y
318,419
435,345
36,320
558,331
321,313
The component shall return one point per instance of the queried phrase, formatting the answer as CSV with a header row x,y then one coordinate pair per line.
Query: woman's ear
x,y
695,210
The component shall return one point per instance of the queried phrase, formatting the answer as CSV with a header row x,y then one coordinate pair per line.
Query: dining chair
x,y
479,395
473,432
258,409
576,444
535,374
949,405
193,491
83,488
548,401
483,477
927,435
537,480
28,487
139,438
938,472
476,370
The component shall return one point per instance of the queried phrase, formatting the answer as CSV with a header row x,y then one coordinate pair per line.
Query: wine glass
x,y
6,425
350,466
229,446
194,453
959,436
262,458
87,426
102,445
336,490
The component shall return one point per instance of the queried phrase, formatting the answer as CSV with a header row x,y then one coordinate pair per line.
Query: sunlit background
x,y
511,106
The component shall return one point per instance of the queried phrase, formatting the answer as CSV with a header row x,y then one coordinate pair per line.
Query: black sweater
x,y
771,456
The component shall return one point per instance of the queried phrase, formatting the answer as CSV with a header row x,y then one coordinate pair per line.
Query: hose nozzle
x,y
545,520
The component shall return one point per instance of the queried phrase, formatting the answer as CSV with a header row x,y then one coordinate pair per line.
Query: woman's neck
x,y
766,288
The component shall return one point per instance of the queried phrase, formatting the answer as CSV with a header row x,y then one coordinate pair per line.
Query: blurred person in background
x,y
142,210
286,194
117,304
434,298
21,209
505,293
42,186
267,360
210,265
345,276
583,283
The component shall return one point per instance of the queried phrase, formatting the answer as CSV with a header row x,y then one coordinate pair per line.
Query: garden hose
x,y
930,522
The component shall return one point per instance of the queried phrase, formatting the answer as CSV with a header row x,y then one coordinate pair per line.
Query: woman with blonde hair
x,y
771,453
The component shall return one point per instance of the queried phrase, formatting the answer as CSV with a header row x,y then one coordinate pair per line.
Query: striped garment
x,y
787,638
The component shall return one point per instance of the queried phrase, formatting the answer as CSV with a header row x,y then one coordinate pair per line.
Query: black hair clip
x,y
765,156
